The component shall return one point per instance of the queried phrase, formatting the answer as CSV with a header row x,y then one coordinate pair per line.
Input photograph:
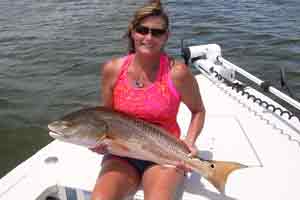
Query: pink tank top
x,y
157,103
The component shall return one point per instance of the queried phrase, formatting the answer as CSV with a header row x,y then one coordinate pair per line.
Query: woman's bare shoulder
x,y
180,71
112,66
110,71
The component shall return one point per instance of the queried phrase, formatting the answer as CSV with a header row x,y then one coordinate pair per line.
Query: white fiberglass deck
x,y
235,130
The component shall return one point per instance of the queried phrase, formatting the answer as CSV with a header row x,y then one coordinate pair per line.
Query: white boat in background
x,y
242,125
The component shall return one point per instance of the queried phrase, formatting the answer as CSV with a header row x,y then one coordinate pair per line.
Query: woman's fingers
x,y
101,149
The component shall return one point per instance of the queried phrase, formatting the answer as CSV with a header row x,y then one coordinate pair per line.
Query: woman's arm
x,y
187,86
109,75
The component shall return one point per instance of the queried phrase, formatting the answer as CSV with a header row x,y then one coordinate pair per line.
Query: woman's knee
x,y
116,180
162,183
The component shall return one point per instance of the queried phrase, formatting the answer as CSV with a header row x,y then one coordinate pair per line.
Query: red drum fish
x,y
131,137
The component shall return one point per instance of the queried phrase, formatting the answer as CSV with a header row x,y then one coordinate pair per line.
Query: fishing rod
x,y
210,59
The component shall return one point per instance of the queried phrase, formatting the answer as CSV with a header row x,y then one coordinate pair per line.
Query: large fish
x,y
131,137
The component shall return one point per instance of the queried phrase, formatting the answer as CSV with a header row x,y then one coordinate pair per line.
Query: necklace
x,y
140,81
138,84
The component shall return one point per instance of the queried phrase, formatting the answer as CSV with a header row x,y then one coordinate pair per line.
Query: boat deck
x,y
235,130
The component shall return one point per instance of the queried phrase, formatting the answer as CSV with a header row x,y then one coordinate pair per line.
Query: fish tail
x,y
221,171
218,172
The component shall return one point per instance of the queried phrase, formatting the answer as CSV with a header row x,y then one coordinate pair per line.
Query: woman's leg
x,y
116,180
162,182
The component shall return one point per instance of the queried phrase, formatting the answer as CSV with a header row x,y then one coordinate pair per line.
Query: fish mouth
x,y
55,134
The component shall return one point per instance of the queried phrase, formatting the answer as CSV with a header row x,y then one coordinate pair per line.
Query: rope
x,y
271,108
239,88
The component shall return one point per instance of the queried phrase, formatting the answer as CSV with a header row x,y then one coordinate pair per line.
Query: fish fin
x,y
119,146
216,172
221,171
169,166
101,139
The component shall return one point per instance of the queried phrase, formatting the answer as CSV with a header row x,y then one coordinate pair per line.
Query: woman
x,y
147,84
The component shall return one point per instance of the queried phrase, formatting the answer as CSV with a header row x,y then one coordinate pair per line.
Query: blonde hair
x,y
153,8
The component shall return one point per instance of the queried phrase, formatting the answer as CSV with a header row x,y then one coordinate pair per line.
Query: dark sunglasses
x,y
156,32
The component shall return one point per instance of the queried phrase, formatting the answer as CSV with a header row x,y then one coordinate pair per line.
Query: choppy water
x,y
50,52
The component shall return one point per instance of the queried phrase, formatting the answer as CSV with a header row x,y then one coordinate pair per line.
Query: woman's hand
x,y
193,153
100,149
192,148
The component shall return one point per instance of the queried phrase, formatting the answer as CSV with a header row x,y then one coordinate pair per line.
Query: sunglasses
x,y
156,32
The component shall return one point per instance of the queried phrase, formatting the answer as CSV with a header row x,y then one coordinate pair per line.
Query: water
x,y
51,50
